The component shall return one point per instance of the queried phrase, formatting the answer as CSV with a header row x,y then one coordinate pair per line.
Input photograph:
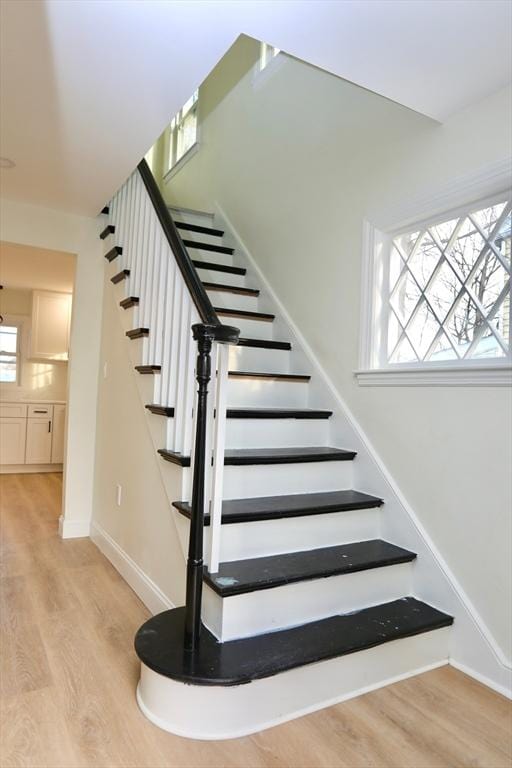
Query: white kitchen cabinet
x,y
39,441
51,323
12,440
59,422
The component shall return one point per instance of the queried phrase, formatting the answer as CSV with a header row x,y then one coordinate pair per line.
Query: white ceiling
x,y
87,86
22,266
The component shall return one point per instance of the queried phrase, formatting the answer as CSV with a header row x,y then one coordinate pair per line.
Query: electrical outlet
x,y
118,495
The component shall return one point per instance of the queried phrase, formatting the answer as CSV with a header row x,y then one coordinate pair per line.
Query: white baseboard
x,y
73,529
26,469
503,690
150,594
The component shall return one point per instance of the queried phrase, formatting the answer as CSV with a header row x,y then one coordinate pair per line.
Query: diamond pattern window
x,y
449,290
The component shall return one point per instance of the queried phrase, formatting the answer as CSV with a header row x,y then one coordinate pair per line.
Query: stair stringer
x,y
473,648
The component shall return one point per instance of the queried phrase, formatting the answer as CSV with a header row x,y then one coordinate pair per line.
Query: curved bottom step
x,y
223,712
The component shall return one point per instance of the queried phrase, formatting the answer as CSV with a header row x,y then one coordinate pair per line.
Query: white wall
x,y
139,535
297,160
47,228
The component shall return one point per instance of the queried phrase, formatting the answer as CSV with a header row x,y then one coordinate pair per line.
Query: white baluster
x,y
219,442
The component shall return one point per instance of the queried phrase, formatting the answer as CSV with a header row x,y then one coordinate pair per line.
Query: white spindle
x,y
166,308
219,442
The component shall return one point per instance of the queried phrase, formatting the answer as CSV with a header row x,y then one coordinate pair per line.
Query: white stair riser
x,y
267,610
276,433
267,393
259,359
274,479
243,709
214,276
260,538
187,234
250,329
204,219
233,300
198,254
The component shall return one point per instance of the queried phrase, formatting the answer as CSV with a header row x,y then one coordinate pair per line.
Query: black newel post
x,y
204,335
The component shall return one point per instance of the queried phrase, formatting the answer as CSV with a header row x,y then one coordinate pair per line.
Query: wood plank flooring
x,y
68,675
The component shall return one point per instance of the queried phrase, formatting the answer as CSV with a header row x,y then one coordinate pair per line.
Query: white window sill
x,y
445,376
181,162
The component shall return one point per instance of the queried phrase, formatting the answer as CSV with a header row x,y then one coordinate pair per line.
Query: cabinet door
x,y
59,422
12,440
39,441
51,321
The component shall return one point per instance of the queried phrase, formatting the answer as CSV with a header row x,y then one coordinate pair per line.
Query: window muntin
x,y
183,131
267,53
9,354
448,290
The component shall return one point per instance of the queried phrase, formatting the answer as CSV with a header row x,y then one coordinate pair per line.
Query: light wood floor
x,y
68,675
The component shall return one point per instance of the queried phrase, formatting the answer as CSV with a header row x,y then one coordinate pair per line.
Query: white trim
x,y
27,469
487,181
73,529
144,587
460,376
507,692
189,154
482,185
242,697
500,659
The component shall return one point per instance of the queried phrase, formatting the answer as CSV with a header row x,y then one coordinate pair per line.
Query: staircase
x,y
300,596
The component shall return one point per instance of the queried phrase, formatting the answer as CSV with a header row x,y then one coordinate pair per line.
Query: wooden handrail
x,y
225,334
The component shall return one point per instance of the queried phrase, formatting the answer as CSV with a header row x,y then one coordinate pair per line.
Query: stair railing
x,y
174,305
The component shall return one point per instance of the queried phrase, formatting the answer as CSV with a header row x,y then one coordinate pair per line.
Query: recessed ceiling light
x,y
5,162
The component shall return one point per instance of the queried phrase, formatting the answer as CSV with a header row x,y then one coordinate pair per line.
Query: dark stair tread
x,y
208,247
213,267
291,505
137,333
113,253
130,301
148,368
198,228
159,643
251,456
272,413
109,230
161,410
222,287
174,458
245,314
264,343
240,576
243,456
297,377
277,413
122,275
105,209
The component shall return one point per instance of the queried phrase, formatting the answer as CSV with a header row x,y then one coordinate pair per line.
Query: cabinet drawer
x,y
13,410
39,411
